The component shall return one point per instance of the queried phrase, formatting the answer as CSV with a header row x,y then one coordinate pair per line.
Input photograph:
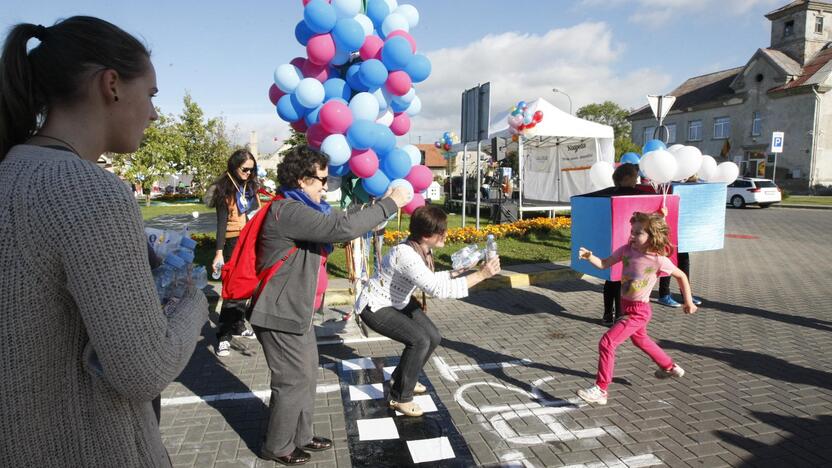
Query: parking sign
x,y
777,142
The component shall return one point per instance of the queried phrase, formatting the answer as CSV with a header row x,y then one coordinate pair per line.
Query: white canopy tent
x,y
556,155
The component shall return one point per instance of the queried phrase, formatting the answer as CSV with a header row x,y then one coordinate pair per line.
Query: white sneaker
x,y
224,348
419,388
248,334
674,371
593,394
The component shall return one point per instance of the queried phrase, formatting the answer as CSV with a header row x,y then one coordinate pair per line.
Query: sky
x,y
224,53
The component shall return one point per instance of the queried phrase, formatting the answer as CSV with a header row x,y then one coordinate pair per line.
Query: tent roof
x,y
555,123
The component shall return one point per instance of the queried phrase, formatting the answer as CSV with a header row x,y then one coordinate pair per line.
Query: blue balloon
x,y
396,53
341,57
303,33
396,165
287,110
362,134
521,104
376,185
630,158
385,140
348,34
373,74
312,117
336,88
319,16
398,106
353,80
653,145
382,101
377,11
339,171
337,148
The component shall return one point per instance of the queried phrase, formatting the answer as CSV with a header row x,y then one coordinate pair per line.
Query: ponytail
x,y
52,73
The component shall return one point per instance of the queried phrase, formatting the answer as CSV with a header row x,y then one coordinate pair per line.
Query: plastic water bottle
x,y
218,273
490,247
166,275
465,257
199,276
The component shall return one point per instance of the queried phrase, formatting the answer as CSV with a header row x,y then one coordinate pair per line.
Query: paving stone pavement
x,y
758,388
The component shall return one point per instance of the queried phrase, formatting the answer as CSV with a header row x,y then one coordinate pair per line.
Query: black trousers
x,y
232,314
411,327
612,298
683,259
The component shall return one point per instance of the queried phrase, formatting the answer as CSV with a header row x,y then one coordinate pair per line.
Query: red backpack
x,y
240,279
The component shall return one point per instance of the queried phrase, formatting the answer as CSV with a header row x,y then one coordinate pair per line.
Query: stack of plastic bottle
x,y
177,270
469,255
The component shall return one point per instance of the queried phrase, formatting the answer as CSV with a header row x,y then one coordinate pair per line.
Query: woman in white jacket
x,y
386,305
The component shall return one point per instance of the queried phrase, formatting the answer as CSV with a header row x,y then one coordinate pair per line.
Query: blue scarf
x,y
251,201
301,196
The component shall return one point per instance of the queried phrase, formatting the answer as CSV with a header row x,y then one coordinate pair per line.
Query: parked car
x,y
753,191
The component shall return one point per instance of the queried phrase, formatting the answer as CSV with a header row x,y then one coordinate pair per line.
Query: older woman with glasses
x,y
387,305
235,198
300,230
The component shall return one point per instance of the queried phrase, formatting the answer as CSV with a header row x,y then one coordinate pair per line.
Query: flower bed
x,y
469,234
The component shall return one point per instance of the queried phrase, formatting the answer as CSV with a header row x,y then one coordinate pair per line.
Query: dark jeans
x,y
684,265
232,314
612,297
411,327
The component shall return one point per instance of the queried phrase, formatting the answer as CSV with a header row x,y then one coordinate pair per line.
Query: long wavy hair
x,y
658,232
225,188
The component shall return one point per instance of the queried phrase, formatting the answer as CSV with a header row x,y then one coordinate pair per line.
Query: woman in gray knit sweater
x,y
87,345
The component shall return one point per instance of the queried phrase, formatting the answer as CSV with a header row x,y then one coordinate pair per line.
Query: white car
x,y
753,191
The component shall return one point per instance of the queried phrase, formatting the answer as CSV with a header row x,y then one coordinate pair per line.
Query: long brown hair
x,y
52,73
226,185
658,232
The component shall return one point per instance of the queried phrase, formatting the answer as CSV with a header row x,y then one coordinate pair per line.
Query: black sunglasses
x,y
247,170
322,179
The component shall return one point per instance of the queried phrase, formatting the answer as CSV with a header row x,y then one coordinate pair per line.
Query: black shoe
x,y
297,457
607,321
318,444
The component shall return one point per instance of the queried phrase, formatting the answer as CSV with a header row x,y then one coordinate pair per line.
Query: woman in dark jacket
x,y
235,198
301,230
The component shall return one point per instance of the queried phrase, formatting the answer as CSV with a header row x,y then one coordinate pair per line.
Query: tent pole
x,y
464,179
520,170
479,181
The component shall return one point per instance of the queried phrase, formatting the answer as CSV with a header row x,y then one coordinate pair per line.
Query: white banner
x,y
556,173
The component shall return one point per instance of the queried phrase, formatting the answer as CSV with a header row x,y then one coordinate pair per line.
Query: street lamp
x,y
556,90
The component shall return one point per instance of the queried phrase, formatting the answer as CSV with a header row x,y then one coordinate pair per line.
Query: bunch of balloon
x,y
446,143
354,93
521,120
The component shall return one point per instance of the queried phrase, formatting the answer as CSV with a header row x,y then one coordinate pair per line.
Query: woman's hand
x,y
490,267
398,195
584,253
218,261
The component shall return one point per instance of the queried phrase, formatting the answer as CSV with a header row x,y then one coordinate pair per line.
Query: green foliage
x,y
610,113
205,143
296,139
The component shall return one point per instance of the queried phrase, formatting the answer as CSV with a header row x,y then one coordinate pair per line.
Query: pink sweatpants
x,y
633,326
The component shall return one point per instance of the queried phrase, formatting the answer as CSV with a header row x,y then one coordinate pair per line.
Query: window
x,y
818,24
671,133
788,28
756,124
695,130
722,128
648,134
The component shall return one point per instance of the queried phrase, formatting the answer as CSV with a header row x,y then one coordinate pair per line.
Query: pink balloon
x,y
401,124
419,177
275,93
299,125
371,48
335,117
311,70
404,34
321,49
417,202
364,163
315,136
399,82
298,62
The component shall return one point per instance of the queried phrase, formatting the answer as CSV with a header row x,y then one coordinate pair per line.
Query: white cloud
x,y
660,13
579,60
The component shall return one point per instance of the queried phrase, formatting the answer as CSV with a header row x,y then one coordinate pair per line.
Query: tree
x,y
206,145
158,155
296,139
610,113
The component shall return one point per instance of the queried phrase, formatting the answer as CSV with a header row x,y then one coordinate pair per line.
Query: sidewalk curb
x,y
803,207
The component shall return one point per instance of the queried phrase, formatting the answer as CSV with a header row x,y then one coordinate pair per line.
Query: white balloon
x,y
287,77
346,8
601,174
405,185
386,118
365,22
393,22
659,166
410,13
415,107
688,161
675,148
726,172
364,106
392,4
707,169
414,153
